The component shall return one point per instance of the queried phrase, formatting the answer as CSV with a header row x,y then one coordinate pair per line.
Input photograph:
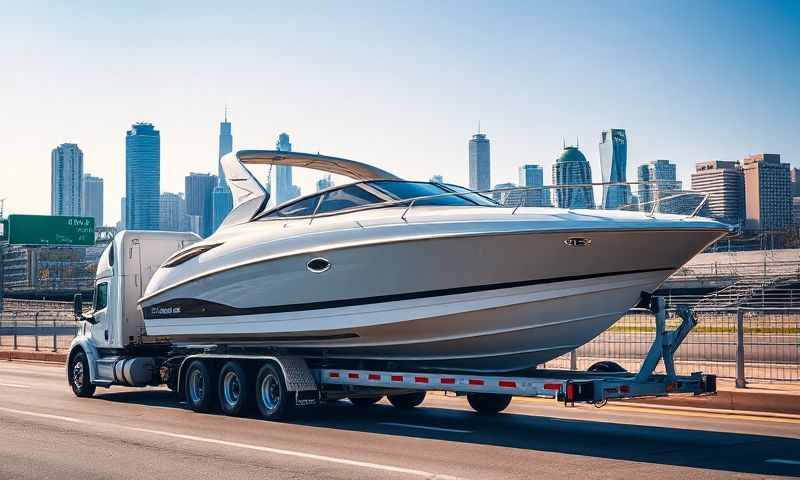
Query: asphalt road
x,y
45,432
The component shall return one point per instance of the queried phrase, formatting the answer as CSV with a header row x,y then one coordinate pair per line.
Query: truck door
x,y
101,330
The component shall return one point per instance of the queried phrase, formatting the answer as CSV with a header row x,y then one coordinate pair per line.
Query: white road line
x,y
14,385
247,446
783,461
425,427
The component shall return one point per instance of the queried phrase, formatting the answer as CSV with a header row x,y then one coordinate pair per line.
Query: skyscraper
x,y
222,199
142,177
613,165
324,182
284,188
768,196
199,197
508,197
123,216
724,184
173,213
66,180
437,179
657,181
572,168
533,176
92,202
480,162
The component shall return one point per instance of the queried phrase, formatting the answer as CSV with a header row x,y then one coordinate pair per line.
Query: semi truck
x,y
112,347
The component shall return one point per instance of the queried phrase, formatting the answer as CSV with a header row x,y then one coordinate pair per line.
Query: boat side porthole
x,y
318,265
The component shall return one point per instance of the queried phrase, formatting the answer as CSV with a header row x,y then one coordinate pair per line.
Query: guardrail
x,y
44,330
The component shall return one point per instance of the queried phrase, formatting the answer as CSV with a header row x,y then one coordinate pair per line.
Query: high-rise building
x,y
437,179
724,183
794,177
507,197
173,213
613,166
658,181
533,176
66,180
284,188
572,168
768,196
222,198
480,162
199,197
324,182
92,202
142,177
123,216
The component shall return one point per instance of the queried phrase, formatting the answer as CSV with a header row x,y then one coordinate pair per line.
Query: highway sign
x,y
50,230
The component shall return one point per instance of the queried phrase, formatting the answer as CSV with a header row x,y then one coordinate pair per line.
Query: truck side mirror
x,y
77,305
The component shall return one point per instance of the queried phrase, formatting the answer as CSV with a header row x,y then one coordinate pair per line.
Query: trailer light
x,y
475,381
374,376
397,378
507,384
334,374
421,379
447,381
352,375
570,392
552,386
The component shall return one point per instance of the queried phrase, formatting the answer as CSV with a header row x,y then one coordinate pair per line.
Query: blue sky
x,y
400,85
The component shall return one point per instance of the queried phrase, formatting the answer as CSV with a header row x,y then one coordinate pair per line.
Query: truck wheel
x,y
200,387
233,389
606,366
363,402
78,376
273,400
407,400
488,403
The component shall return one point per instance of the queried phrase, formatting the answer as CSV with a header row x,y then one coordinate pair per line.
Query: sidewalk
x,y
40,356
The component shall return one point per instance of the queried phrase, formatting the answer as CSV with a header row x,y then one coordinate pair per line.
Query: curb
x,y
50,357
743,401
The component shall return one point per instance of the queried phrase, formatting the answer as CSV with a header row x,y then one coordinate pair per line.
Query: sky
x,y
401,85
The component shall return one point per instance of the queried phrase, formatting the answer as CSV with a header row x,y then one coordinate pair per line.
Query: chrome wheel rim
x,y
77,375
231,388
197,386
270,392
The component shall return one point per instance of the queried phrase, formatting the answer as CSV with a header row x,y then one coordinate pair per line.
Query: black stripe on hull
x,y
193,308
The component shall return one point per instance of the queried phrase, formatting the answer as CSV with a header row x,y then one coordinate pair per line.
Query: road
x,y
122,433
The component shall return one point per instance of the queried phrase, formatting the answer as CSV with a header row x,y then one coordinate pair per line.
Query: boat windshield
x,y
403,190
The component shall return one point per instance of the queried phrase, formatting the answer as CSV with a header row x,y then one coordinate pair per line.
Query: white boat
x,y
417,274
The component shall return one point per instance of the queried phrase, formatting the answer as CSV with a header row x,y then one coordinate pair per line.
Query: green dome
x,y
571,154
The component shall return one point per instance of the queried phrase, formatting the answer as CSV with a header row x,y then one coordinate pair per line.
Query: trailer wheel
x,y
200,386
273,400
488,403
363,402
407,400
78,376
233,389
606,366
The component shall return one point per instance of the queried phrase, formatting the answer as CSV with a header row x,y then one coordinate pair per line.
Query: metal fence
x,y
38,331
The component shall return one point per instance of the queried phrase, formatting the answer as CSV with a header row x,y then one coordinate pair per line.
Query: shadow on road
x,y
732,452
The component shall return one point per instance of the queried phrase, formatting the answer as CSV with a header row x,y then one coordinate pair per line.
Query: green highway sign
x,y
50,230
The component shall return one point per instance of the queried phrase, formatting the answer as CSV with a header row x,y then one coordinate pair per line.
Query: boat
x,y
416,274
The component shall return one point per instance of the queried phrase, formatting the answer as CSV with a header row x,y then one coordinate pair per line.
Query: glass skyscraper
x,y
222,199
480,162
66,180
572,168
199,193
142,177
284,188
92,203
613,164
533,176
663,184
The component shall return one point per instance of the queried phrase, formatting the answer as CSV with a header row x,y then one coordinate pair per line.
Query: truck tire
x,y
488,403
78,375
364,402
273,400
200,386
407,400
234,389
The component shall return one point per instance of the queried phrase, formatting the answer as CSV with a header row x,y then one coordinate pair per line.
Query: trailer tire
x,y
364,402
606,366
407,400
273,400
488,403
78,375
233,389
200,386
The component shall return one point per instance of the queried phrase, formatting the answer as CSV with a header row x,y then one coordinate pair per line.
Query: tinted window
x,y
403,190
298,209
101,296
347,197
475,197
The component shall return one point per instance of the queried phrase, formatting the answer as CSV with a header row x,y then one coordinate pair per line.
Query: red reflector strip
x,y
397,378
507,384
374,376
447,381
352,375
552,386
475,381
421,379
334,374
570,392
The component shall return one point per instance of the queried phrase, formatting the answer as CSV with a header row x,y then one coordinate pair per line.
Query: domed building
x,y
572,168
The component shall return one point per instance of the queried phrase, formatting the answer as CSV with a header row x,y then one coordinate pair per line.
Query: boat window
x,y
403,190
301,208
101,296
478,198
346,197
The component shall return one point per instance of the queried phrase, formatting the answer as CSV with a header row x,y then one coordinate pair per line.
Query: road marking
x,y
425,427
14,385
247,446
783,461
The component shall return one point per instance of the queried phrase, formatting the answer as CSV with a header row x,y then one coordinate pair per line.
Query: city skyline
x,y
684,88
